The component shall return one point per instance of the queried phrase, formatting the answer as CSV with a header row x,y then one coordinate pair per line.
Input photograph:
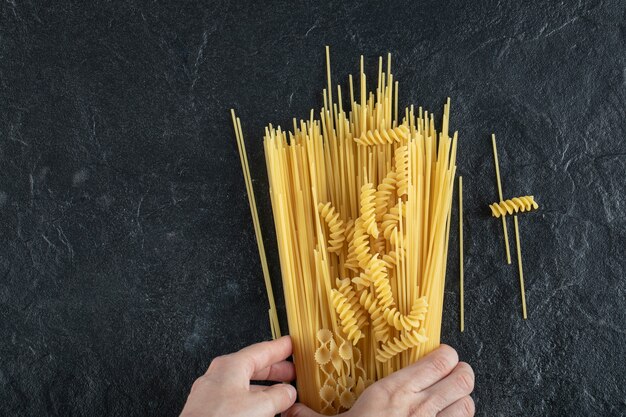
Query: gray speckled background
x,y
127,253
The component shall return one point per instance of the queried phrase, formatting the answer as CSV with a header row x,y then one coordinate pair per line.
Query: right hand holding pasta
x,y
436,385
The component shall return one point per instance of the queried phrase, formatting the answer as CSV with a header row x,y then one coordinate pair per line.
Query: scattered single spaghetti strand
x,y
462,299
274,324
521,269
504,229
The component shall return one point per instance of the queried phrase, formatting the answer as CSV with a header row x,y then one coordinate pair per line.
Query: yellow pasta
x,y
241,146
514,205
392,258
335,226
376,273
499,183
379,323
402,170
344,286
359,253
346,314
461,275
361,194
406,341
384,193
518,245
407,322
383,136
368,209
347,398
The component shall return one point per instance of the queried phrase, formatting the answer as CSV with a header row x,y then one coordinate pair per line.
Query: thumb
x,y
280,396
300,410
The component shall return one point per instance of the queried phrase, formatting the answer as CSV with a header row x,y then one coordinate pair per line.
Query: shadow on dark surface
x,y
128,256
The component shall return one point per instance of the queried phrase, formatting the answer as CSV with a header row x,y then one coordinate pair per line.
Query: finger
x,y
300,410
255,388
283,371
452,388
427,371
462,408
240,366
261,355
278,398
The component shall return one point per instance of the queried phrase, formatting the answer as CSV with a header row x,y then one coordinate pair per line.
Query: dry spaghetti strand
x,y
504,229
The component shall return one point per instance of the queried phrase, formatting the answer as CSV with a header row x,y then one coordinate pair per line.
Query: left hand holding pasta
x,y
225,388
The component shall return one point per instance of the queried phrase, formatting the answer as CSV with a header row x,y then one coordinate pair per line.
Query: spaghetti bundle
x,y
361,198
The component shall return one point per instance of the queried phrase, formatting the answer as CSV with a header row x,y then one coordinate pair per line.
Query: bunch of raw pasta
x,y
361,203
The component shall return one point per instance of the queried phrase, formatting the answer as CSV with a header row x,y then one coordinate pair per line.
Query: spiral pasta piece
x,y
390,222
368,209
407,340
402,170
349,230
375,137
390,258
419,309
384,193
335,227
346,314
359,248
407,322
514,205
344,286
380,327
377,273
379,245
400,321
361,281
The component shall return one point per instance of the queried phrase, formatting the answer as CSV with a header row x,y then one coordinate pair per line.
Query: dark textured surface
x,y
127,254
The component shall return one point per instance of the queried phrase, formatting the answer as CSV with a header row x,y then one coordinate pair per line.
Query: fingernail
x,y
292,391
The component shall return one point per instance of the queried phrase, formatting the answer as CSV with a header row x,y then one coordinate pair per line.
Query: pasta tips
x,y
513,205
335,227
368,209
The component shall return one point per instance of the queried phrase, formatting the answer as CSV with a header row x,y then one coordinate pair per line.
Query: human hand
x,y
225,389
436,385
